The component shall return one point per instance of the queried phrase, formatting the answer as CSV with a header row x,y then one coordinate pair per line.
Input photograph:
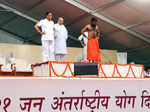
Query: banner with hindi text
x,y
74,95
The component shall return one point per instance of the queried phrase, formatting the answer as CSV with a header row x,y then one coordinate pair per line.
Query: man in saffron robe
x,y
93,51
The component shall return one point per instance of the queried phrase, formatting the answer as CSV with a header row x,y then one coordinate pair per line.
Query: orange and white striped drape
x,y
66,70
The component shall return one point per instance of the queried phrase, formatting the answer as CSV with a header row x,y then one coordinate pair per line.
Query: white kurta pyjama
x,y
85,40
61,35
47,39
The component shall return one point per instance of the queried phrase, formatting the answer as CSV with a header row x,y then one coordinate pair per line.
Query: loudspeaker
x,y
85,69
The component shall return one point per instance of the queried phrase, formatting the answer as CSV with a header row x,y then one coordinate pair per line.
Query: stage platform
x,y
88,70
53,94
66,87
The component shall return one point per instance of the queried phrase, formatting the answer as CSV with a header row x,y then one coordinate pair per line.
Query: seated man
x,y
147,74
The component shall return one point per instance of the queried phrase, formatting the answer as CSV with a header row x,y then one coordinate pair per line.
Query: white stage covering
x,y
66,69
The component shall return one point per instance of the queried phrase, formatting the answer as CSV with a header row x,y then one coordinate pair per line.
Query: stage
x,y
77,86
88,70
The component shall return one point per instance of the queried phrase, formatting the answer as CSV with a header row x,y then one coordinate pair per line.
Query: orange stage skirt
x,y
93,51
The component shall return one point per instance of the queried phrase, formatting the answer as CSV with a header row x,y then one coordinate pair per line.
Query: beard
x,y
93,26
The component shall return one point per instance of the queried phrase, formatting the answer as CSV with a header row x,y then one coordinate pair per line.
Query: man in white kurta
x,y
61,36
47,37
84,41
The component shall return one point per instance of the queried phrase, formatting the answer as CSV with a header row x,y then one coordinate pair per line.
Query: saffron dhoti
x,y
93,51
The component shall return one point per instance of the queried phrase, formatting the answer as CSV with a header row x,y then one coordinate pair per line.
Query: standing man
x,y
83,40
60,40
93,51
47,33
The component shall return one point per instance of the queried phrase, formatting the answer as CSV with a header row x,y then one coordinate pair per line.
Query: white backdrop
x,y
15,93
